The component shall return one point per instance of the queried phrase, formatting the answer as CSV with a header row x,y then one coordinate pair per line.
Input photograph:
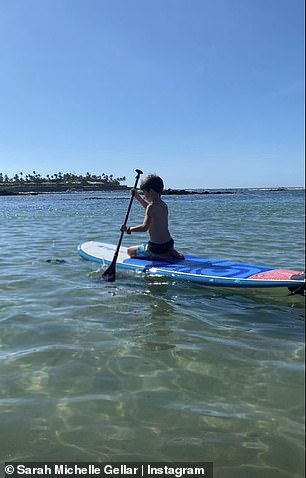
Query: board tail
x,y
301,290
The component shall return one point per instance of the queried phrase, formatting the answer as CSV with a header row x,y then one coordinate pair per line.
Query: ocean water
x,y
147,369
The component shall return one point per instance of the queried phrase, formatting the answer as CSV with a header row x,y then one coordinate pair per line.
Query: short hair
x,y
152,182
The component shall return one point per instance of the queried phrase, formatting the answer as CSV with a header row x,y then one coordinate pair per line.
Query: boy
x,y
161,244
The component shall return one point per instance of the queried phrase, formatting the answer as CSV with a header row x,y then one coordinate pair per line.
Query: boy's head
x,y
152,182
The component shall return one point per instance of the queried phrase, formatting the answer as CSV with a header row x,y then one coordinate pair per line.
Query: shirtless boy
x,y
161,244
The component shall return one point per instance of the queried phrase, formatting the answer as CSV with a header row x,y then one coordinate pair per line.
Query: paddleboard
x,y
202,270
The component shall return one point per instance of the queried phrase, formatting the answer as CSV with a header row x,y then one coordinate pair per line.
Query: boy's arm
x,y
146,221
137,196
142,227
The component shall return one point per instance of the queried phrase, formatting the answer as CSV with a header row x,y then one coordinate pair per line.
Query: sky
x,y
204,93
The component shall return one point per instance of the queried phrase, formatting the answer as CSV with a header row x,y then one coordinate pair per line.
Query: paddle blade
x,y
110,274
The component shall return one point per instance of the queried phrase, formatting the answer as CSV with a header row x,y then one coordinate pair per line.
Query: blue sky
x,y
205,93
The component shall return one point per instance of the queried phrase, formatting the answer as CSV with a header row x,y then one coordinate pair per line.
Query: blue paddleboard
x,y
202,270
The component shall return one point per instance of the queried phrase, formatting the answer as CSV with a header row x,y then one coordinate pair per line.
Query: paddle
x,y
110,274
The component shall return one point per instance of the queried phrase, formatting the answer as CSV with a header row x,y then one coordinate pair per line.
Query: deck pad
x,y
203,266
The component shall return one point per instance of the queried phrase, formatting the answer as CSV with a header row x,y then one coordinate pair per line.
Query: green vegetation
x,y
60,178
58,182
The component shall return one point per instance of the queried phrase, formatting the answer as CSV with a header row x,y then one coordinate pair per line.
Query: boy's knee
x,y
131,251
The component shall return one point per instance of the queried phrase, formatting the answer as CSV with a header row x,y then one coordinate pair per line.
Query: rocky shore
x,y
35,189
175,192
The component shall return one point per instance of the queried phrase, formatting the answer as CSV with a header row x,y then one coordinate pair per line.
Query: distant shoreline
x,y
35,189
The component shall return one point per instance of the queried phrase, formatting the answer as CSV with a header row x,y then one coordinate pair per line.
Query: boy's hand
x,y
126,229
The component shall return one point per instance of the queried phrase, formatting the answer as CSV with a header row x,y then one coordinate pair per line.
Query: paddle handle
x,y
139,172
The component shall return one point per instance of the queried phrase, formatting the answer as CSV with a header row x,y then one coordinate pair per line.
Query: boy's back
x,y
157,212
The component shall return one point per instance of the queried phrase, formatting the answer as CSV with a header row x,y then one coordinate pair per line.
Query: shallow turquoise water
x,y
149,369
